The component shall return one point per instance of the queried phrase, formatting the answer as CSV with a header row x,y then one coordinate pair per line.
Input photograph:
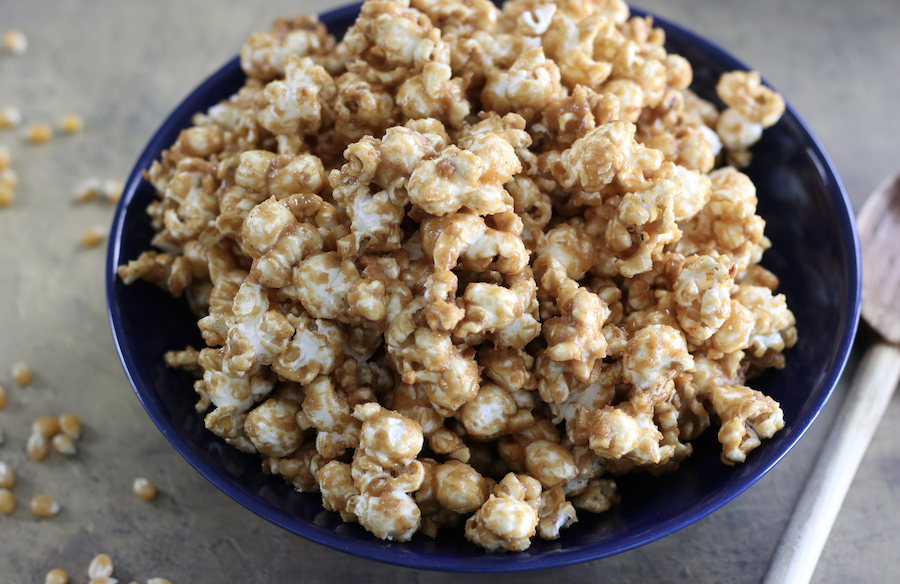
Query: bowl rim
x,y
392,554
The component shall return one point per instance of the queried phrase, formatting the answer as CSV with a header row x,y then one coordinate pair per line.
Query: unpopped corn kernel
x,y
37,446
87,190
21,373
93,236
15,42
144,488
70,424
7,476
10,117
71,123
64,444
44,506
112,190
100,567
56,576
39,133
8,183
7,501
46,425
5,157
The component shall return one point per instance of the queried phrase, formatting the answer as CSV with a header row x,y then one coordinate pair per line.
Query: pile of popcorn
x,y
469,264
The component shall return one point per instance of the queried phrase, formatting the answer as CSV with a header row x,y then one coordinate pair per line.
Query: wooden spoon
x,y
871,390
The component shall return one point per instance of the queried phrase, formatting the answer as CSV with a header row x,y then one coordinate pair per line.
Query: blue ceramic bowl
x,y
815,253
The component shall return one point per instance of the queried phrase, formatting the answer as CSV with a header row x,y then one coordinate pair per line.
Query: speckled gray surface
x,y
122,66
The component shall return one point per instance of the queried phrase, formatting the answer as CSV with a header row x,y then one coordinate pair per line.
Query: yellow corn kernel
x,y
56,576
7,501
37,446
21,373
93,236
46,425
44,506
71,425
144,488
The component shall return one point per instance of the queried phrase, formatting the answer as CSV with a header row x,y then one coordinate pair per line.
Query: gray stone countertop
x,y
123,65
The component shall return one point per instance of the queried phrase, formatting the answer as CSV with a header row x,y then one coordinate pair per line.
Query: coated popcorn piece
x,y
435,92
335,481
494,412
412,401
744,91
746,415
361,108
703,295
385,470
555,513
508,367
188,204
326,409
316,348
473,57
322,283
728,224
296,468
488,308
232,395
575,116
472,177
609,155
736,131
392,515
550,463
622,432
569,41
459,487
774,327
259,332
568,399
280,176
574,338
512,447
694,194
301,103
390,438
391,40
434,516
171,273
568,243
478,247
272,427
526,88
448,373
646,219
460,17
226,276
371,186
508,519
264,53
598,496
276,241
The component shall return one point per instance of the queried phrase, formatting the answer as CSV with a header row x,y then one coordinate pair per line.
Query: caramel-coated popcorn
x,y
469,264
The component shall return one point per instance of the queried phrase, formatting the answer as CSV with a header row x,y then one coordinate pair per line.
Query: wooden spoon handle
x,y
806,534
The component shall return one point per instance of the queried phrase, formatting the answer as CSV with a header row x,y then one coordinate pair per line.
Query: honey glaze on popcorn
x,y
468,265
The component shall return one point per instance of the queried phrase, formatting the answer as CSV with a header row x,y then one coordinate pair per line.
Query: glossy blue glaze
x,y
815,253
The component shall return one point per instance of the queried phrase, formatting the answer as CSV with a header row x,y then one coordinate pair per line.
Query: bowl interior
x,y
814,252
